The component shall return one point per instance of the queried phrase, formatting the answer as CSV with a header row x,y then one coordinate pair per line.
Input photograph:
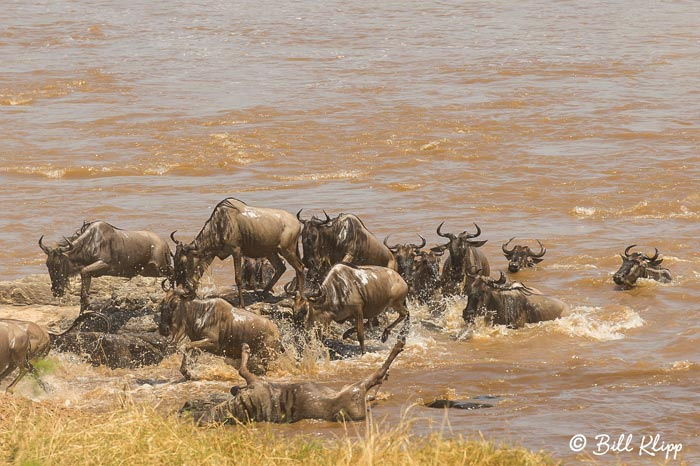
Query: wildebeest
x,y
261,401
215,326
236,229
426,275
356,293
99,249
404,254
464,254
256,273
38,344
638,265
511,304
342,239
520,257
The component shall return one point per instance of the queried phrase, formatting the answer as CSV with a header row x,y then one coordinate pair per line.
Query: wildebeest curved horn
x,y
287,290
416,246
41,245
501,280
506,251
652,259
627,251
444,235
473,272
169,287
172,237
299,215
391,248
478,232
69,245
328,219
539,254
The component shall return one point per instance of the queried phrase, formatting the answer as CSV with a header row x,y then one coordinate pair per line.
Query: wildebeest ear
x,y
476,244
440,248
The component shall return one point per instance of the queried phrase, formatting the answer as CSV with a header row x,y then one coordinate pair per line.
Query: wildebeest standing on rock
x,y
99,249
215,326
236,229
262,401
356,293
464,255
638,265
520,257
511,304
342,239
404,255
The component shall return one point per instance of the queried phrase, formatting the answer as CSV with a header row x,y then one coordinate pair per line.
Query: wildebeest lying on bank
x,y
520,257
356,293
215,326
638,265
236,229
99,249
28,342
262,401
464,255
342,239
511,304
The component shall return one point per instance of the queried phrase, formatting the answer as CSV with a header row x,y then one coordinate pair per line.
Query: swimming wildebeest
x,y
404,254
638,265
99,249
236,229
511,304
464,255
356,293
215,326
28,342
520,257
261,401
342,239
426,274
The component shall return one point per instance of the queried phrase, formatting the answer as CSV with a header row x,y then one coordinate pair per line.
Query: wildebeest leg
x,y
203,344
295,262
279,270
86,274
360,323
238,273
22,372
403,314
243,371
380,374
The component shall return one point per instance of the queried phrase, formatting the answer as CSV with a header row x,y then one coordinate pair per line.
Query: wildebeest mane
x,y
217,222
65,242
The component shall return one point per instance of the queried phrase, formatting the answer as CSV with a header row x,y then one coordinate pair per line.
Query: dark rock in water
x,y
457,404
340,350
123,350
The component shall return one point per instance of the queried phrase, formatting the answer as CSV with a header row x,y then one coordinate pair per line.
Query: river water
x,y
576,123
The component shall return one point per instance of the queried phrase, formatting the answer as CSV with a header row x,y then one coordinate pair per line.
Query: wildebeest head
x,y
427,263
169,324
634,266
404,255
311,239
520,257
479,293
306,312
59,265
187,265
459,244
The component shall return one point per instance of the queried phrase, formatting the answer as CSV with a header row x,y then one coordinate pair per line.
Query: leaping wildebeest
x,y
351,292
638,265
262,401
511,304
520,257
215,326
99,249
464,255
237,229
342,239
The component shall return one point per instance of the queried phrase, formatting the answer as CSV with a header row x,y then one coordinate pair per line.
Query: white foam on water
x,y
589,322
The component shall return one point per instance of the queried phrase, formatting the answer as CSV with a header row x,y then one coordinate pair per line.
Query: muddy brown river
x,y
575,123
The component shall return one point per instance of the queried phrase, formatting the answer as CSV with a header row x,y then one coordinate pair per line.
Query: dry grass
x,y
35,433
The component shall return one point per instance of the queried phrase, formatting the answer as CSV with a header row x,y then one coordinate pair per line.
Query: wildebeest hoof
x,y
385,337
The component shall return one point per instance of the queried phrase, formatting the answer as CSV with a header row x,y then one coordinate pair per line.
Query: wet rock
x,y
457,404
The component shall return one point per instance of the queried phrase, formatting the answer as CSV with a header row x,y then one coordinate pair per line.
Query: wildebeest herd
x,y
342,274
